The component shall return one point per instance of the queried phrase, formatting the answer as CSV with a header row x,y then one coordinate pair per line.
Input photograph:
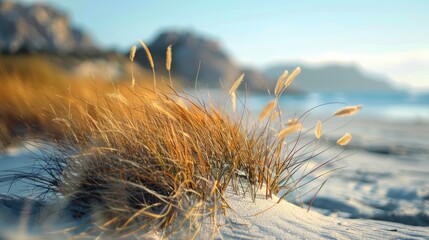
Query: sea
x,y
396,106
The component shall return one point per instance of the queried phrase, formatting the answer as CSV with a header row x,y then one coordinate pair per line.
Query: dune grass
x,y
142,158
34,88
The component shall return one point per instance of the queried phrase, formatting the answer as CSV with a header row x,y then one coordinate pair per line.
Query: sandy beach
x,y
384,176
266,219
381,193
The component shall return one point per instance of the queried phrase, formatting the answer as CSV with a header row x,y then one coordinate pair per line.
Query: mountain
x,y
196,55
38,41
331,78
39,27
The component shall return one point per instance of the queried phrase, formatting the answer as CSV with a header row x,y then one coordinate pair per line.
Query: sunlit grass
x,y
137,159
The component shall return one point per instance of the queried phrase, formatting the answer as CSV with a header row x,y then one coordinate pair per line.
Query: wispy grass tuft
x,y
143,160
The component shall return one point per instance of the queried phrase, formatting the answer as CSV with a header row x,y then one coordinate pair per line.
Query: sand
x,y
262,219
384,178
267,219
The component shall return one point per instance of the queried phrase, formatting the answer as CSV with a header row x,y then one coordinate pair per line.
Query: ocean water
x,y
388,106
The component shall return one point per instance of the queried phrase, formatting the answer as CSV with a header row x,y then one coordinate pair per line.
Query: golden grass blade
x,y
182,104
148,54
236,84
214,188
280,83
168,58
163,111
133,80
152,65
344,140
118,97
133,53
291,129
318,129
268,108
347,111
292,76
233,101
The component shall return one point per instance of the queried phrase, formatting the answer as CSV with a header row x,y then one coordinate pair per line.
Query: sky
x,y
387,38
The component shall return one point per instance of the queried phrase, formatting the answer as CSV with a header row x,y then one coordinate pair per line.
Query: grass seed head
x,y
233,98
168,58
292,76
236,84
318,129
345,139
288,130
267,109
280,83
133,53
347,111
148,54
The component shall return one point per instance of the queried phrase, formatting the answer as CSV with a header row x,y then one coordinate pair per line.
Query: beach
x,y
380,192
384,175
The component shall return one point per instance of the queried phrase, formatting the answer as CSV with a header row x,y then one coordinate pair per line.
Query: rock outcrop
x,y
198,57
38,27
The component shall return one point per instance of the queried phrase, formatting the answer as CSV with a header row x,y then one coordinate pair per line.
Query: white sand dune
x,y
265,219
262,219
385,175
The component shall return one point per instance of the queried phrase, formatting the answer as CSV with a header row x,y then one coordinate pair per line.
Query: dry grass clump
x,y
145,159
27,106
158,165
33,89
150,163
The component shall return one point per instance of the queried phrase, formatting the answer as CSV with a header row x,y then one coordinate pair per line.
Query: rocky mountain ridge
x,y
41,28
197,58
38,27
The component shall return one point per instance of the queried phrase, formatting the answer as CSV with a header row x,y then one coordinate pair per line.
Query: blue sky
x,y
384,37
